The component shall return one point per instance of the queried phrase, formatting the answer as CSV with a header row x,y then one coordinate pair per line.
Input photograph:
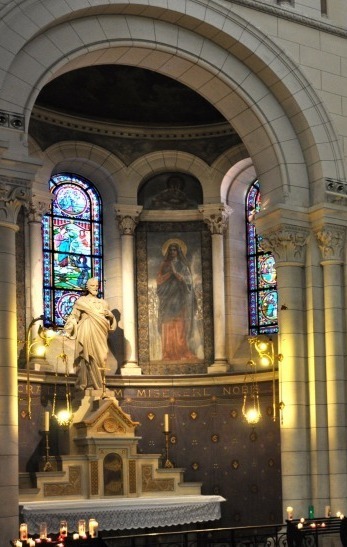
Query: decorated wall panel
x,y
208,437
174,293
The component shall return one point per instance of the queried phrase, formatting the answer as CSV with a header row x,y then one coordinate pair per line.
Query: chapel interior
x,y
208,141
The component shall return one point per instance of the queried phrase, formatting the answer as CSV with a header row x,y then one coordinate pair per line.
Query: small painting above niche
x,y
171,191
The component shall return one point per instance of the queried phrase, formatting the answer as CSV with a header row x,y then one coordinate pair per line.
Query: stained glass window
x,y
72,244
262,283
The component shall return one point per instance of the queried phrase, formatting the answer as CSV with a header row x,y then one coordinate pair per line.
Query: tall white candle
x,y
166,423
47,420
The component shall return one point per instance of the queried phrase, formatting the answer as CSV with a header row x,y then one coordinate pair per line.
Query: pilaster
x,y
331,243
287,242
13,194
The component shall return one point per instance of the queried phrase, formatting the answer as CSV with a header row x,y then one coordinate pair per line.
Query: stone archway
x,y
214,68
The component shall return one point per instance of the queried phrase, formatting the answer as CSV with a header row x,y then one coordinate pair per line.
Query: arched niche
x,y
113,475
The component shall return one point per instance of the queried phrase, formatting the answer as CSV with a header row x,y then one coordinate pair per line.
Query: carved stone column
x,y
288,245
38,206
127,217
216,217
331,242
13,193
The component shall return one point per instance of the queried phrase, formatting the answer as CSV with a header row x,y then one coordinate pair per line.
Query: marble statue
x,y
89,324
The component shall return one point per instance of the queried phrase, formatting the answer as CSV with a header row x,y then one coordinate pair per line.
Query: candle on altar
x,y
166,423
46,420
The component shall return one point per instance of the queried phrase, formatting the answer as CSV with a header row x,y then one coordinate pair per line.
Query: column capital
x,y
216,216
14,193
331,242
287,243
128,217
39,205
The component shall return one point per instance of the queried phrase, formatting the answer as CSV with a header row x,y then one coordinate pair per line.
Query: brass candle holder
x,y
168,464
48,465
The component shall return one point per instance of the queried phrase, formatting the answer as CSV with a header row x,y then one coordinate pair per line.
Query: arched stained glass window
x,y
262,283
72,244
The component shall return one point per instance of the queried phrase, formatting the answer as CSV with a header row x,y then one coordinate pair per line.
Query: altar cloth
x,y
122,513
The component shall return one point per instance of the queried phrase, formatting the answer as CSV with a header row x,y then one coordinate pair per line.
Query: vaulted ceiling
x,y
126,94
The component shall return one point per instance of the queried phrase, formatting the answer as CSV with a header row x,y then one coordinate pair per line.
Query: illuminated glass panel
x,y
72,244
262,283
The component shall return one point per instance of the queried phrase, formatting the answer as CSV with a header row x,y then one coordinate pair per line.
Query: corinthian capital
x,y
38,206
331,242
13,194
216,216
128,217
287,243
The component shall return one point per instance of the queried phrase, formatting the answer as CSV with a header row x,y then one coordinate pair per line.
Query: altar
x,y
122,514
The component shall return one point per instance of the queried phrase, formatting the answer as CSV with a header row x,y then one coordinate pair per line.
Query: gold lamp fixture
x,y
250,390
64,416
265,357
36,348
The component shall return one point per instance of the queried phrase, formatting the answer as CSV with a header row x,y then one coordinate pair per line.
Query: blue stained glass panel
x,y
262,281
72,243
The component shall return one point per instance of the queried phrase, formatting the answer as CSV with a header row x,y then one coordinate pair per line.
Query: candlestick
x,y
48,465
167,464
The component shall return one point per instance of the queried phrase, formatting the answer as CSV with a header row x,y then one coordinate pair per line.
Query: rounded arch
x,y
236,182
246,81
169,160
227,166
88,160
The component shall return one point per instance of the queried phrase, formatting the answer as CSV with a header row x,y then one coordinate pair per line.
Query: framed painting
x,y
174,297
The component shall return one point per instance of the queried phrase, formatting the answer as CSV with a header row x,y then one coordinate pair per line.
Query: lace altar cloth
x,y
121,514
